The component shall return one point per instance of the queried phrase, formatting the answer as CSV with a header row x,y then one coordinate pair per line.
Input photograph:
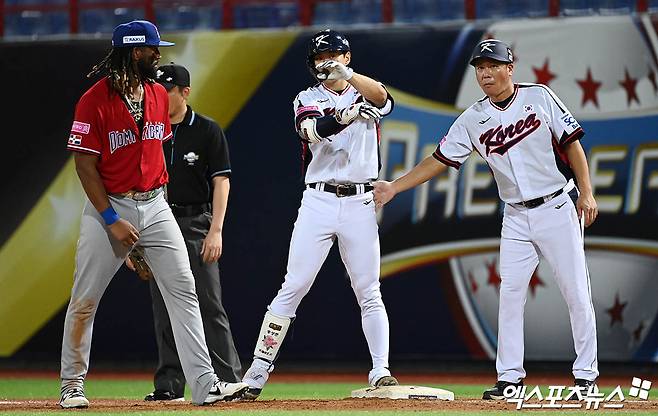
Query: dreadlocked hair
x,y
120,70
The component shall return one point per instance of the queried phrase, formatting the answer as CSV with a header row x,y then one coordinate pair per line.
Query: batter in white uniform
x,y
531,143
338,119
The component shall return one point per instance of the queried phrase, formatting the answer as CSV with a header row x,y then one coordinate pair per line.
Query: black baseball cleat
x,y
497,391
163,395
586,387
251,394
586,384
386,381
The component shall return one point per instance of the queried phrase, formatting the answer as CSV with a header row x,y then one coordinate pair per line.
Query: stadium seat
x,y
331,13
366,11
487,9
31,23
167,18
422,11
282,14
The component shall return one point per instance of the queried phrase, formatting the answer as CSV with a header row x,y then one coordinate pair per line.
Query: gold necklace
x,y
135,108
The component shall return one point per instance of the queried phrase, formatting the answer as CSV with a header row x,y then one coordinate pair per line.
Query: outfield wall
x,y
439,242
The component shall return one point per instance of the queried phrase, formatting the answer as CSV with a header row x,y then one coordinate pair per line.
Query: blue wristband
x,y
110,216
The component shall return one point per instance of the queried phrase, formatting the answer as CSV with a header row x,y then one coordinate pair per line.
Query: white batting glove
x,y
363,110
333,70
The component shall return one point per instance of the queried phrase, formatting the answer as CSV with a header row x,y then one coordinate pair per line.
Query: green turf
x,y
334,413
39,388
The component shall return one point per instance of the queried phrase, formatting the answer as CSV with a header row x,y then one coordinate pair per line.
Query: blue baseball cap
x,y
137,33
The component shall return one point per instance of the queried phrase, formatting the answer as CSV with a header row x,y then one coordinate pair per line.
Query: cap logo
x,y
486,47
320,40
159,73
168,79
134,39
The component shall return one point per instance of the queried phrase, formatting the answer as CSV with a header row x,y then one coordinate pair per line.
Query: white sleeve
x,y
455,147
304,107
388,105
564,126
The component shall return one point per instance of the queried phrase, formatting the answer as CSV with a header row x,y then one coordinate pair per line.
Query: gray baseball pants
x,y
223,355
99,256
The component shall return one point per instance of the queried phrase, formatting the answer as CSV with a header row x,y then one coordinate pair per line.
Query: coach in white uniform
x,y
338,119
531,143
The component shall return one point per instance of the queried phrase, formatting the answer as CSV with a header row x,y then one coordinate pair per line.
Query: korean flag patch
x,y
528,108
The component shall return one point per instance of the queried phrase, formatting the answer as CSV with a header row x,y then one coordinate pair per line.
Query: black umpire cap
x,y
492,49
172,75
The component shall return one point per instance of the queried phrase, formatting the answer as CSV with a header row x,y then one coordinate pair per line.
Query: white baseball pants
x,y
323,218
552,230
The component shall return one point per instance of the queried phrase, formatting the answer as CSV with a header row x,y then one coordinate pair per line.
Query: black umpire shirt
x,y
196,153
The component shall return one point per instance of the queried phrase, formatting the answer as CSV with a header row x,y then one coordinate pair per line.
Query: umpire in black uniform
x,y
197,159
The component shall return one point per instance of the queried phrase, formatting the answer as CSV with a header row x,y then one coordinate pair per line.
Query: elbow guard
x,y
308,130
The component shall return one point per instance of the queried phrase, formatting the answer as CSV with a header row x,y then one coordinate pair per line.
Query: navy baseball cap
x,y
171,75
492,49
137,33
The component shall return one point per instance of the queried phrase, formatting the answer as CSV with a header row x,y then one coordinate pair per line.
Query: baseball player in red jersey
x,y
338,119
120,124
531,143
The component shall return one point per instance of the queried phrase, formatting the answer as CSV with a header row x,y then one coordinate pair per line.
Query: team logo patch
x,y
79,127
134,39
569,121
75,139
191,158
528,108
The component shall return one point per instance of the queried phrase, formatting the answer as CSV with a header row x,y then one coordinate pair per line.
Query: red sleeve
x,y
85,136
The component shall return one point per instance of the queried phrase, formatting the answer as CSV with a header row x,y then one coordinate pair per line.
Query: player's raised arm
x,y
372,90
421,173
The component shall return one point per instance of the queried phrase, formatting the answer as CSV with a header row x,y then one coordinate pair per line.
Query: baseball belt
x,y
534,203
140,196
189,210
341,190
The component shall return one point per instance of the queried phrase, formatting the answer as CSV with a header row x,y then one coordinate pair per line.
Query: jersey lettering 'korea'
x,y
523,143
103,127
352,154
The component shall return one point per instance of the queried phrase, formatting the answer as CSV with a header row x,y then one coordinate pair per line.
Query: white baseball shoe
x,y
223,391
380,377
74,398
256,377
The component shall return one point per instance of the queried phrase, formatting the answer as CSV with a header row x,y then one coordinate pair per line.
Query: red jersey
x,y
128,159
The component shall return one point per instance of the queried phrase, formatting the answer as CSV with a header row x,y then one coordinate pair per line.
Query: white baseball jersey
x,y
352,154
521,143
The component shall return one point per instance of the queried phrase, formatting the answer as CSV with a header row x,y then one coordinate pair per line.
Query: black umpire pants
x,y
225,360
